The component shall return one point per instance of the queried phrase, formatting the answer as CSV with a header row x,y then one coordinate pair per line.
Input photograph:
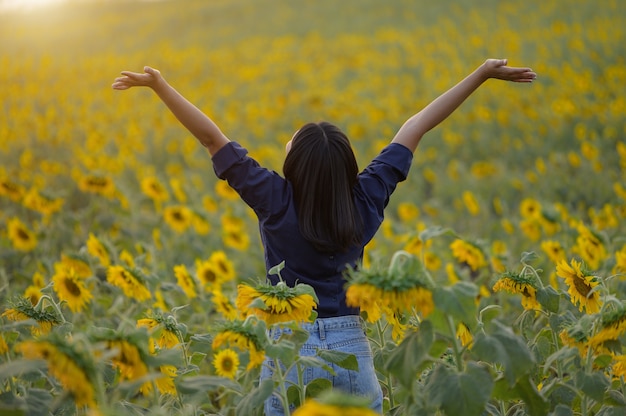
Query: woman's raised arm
x,y
198,123
438,110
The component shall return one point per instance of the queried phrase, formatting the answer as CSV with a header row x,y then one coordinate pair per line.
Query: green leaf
x,y
543,345
316,387
562,410
614,398
258,304
342,359
204,384
528,256
536,404
277,269
593,385
197,358
316,362
284,351
566,356
433,232
18,367
39,401
202,338
507,349
293,395
460,393
525,390
405,360
12,405
254,399
458,300
549,299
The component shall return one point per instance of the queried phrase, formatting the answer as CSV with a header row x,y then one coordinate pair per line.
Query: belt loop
x,y
320,322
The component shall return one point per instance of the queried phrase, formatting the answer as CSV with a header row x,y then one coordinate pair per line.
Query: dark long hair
x,y
322,169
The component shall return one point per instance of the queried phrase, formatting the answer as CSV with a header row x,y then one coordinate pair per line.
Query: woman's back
x,y
272,199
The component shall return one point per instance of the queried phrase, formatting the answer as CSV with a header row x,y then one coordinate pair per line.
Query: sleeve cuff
x,y
226,157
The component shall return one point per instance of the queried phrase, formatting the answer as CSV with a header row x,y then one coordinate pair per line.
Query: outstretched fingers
x,y
524,75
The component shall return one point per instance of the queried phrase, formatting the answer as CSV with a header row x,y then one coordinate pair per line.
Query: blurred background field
x,y
109,178
263,68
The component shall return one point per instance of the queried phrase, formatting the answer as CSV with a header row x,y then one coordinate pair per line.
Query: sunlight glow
x,y
27,4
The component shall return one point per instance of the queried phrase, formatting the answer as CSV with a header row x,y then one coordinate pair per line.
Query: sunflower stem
x,y
455,344
283,390
301,386
53,304
387,383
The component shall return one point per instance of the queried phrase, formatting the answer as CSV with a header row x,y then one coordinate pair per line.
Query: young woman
x,y
319,217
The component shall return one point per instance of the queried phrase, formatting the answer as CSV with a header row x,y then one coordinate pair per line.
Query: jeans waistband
x,y
323,325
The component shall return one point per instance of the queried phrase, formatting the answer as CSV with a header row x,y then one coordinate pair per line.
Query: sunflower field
x,y
132,279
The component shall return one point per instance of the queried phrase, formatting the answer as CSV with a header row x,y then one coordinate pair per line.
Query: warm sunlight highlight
x,y
27,4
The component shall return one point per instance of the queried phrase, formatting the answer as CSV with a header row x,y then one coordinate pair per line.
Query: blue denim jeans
x,y
343,333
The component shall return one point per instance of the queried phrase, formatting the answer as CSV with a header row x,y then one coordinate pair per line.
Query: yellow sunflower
x,y
33,293
408,212
178,217
12,190
70,288
531,227
97,184
575,338
226,363
4,347
209,204
185,281
223,305
415,246
98,250
525,286
613,326
79,264
22,238
280,303
620,261
223,265
127,258
240,335
22,309
375,301
234,232
530,208
312,407
581,285
163,329
590,248
619,366
153,189
553,250
41,203
129,282
464,334
178,189
467,253
65,368
223,190
200,225
471,204
365,296
236,238
208,274
127,359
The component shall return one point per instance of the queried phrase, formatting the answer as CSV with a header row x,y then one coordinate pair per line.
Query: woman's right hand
x,y
150,78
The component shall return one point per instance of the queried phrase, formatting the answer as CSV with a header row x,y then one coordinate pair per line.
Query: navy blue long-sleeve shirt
x,y
271,198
